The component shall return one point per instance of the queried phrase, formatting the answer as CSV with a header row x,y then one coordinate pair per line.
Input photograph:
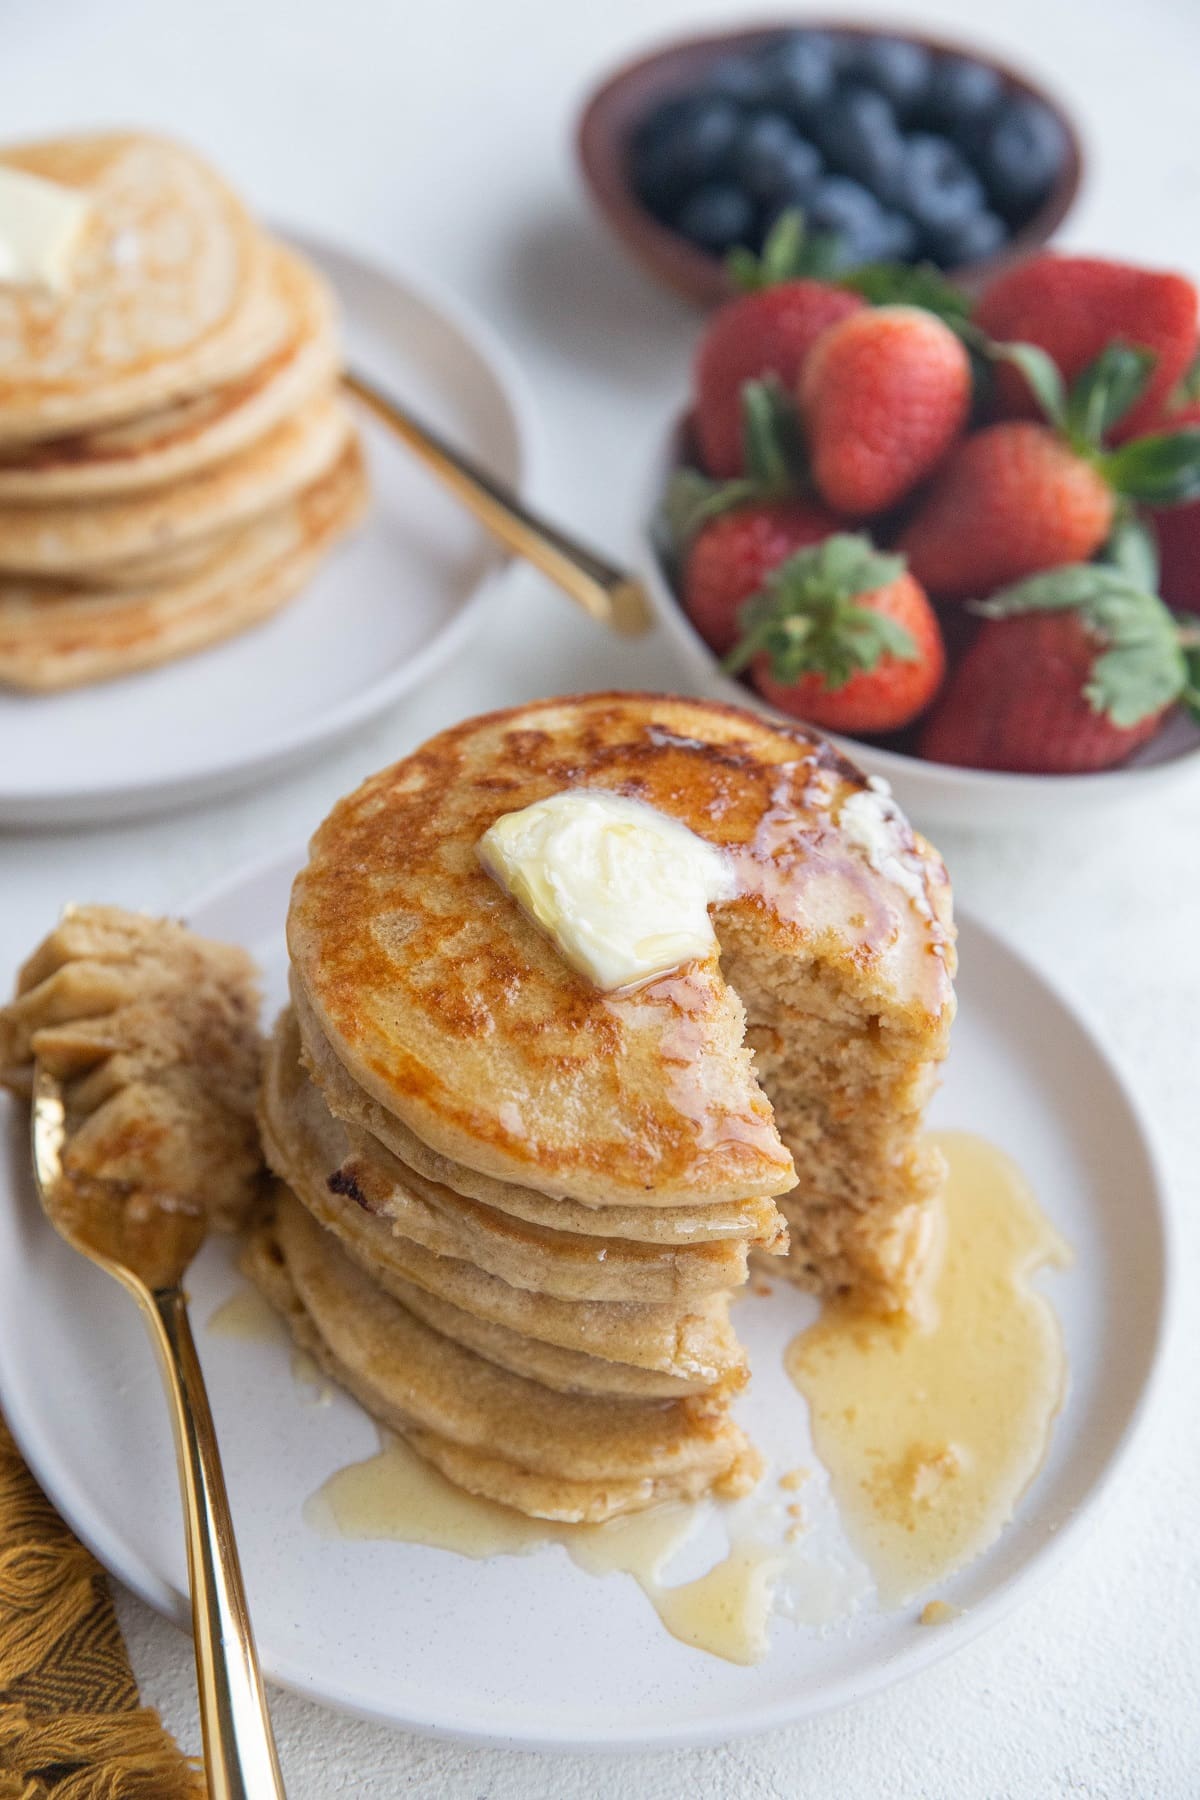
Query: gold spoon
x,y
609,594
146,1243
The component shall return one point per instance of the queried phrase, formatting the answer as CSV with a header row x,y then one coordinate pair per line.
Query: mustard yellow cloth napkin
x,y
71,1723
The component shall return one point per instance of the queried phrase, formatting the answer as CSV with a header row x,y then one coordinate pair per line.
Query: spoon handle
x,y
239,1747
611,595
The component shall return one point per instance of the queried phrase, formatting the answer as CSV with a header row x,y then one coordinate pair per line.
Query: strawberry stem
x,y
805,619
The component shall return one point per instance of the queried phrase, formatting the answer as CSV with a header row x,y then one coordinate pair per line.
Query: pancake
x,y
449,1010
375,1133
92,535
544,1260
559,1456
176,441
170,294
692,1341
60,637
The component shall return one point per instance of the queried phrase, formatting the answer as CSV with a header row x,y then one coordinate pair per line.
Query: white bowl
x,y
935,793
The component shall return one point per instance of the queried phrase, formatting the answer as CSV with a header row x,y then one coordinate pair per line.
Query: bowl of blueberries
x,y
899,148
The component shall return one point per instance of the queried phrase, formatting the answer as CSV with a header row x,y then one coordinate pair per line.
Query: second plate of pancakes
x,y
529,1650
394,601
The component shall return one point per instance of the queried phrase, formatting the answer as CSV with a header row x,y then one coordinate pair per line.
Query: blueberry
x,y
741,78
860,137
893,66
899,239
693,146
939,186
846,209
800,69
961,95
972,240
662,119
773,163
716,217
1024,149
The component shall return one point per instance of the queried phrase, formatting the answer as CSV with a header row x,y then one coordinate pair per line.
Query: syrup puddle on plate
x,y
246,1315
932,1426
396,1495
929,1427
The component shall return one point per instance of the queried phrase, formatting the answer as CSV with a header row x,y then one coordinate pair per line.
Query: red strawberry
x,y
731,557
752,337
843,636
1073,307
1012,500
1178,532
883,395
1071,672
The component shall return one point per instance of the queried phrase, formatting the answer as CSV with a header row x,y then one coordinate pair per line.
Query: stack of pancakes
x,y
174,454
516,1208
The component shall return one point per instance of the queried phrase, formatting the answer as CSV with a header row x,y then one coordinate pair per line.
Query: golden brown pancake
x,y
377,1134
551,1454
539,1258
91,535
170,292
449,1009
54,637
461,1119
177,440
689,1340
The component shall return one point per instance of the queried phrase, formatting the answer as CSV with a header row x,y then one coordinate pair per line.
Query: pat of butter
x,y
621,890
40,227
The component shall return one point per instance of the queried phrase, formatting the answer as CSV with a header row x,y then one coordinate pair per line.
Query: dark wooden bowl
x,y
617,107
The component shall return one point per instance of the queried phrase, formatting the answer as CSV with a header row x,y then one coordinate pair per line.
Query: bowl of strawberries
x,y
961,535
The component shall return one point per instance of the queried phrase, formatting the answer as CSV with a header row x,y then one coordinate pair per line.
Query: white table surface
x,y
437,135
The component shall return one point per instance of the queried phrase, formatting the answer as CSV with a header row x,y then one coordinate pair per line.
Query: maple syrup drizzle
x,y
395,1494
932,1426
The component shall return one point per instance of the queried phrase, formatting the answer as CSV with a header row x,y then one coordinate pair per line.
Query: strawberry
x,y
883,395
1177,530
1012,500
732,555
844,637
1072,671
1017,497
754,336
1073,307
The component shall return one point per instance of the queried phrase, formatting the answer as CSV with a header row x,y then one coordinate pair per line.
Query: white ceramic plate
x,y
931,793
531,1651
390,605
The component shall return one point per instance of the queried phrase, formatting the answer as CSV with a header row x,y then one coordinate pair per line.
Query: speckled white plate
x,y
531,1651
386,609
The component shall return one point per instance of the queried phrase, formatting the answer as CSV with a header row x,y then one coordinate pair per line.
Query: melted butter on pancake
x,y
41,223
621,890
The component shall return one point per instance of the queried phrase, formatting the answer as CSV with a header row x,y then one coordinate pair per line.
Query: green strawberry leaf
x,y
806,621
1132,547
1186,391
1189,639
1141,667
905,284
1039,370
772,439
1102,395
1161,471
790,253
690,502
